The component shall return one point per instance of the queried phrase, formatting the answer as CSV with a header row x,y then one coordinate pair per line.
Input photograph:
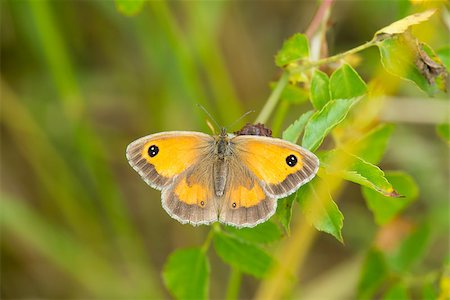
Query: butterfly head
x,y
223,132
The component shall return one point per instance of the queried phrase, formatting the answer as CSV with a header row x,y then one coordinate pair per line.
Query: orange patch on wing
x,y
247,197
175,154
268,161
191,194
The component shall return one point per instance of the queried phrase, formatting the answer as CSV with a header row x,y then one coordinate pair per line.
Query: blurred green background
x,y
80,80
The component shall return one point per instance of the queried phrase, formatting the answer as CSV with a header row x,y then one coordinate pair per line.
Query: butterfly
x,y
232,179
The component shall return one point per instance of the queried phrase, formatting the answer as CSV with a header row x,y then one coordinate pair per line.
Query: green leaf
x,y
372,146
293,132
294,49
320,89
186,274
284,211
345,83
323,121
444,55
411,250
320,209
386,208
443,130
358,171
400,57
243,256
396,292
263,233
404,24
374,272
130,7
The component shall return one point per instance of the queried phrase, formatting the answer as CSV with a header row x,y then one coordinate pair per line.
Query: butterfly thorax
x,y
222,145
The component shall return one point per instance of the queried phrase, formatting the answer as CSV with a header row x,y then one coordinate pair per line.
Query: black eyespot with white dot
x,y
153,150
202,203
291,160
233,205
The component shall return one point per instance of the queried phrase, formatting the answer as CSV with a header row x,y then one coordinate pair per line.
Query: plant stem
x,y
234,283
279,117
273,99
319,17
333,58
215,228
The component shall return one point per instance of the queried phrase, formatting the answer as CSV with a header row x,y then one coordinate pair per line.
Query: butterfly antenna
x,y
241,117
209,115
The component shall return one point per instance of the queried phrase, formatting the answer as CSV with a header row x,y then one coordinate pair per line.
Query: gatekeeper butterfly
x,y
232,179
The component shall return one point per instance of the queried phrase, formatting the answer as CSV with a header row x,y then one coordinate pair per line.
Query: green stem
x,y
333,58
273,99
279,117
234,283
214,228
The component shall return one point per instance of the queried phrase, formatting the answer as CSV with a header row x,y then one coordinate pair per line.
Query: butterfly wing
x,y
244,203
280,166
179,164
161,157
190,199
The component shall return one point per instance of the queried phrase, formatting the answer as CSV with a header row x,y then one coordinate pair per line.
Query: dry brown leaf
x,y
402,25
428,67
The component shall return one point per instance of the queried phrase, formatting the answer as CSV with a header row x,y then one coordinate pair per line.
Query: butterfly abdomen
x,y
220,164
220,176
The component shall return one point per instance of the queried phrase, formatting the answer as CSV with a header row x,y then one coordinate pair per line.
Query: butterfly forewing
x,y
160,157
282,166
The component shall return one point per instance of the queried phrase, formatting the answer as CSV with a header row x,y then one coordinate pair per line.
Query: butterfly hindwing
x,y
244,203
190,199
